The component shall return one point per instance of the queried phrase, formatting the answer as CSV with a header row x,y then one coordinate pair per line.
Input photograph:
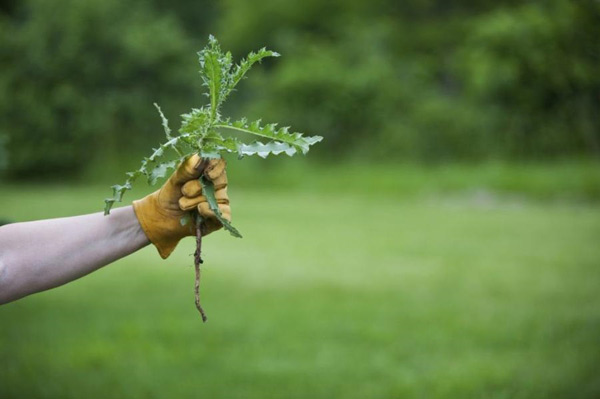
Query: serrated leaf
x,y
119,190
108,204
208,154
158,152
208,190
211,73
244,66
161,171
198,133
165,122
263,150
215,66
270,131
196,122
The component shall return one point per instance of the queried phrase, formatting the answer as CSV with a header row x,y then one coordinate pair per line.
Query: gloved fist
x,y
160,213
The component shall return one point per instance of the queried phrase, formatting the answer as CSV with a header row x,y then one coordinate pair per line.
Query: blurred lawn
x,y
356,294
571,180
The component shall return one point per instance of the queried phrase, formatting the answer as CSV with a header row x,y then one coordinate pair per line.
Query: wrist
x,y
127,226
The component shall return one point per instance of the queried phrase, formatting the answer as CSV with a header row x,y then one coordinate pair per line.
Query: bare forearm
x,y
36,256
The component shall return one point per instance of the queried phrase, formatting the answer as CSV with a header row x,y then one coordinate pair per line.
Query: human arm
x,y
38,255
43,254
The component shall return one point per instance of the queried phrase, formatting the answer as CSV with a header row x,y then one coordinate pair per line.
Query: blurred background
x,y
441,242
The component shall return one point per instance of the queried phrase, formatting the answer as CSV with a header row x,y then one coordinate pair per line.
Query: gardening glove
x,y
160,213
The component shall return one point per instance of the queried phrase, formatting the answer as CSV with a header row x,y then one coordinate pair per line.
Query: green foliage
x,y
429,80
534,68
422,80
77,78
200,131
3,152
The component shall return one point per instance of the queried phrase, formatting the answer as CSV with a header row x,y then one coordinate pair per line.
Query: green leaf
x,y
165,122
214,71
244,66
199,132
108,204
144,170
270,131
118,191
233,145
196,122
211,153
161,171
263,150
208,190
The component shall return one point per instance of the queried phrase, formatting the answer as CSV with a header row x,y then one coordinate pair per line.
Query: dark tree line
x,y
425,80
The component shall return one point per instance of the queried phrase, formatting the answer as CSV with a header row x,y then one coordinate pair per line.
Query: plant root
x,y
197,262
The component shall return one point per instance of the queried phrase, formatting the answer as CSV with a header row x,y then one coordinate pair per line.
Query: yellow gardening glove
x,y
160,213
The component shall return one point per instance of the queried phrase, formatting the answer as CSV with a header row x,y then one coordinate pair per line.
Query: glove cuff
x,y
153,224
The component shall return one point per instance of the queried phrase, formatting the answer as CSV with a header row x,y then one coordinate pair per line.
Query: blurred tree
x,y
428,79
3,153
535,69
79,78
195,17
425,80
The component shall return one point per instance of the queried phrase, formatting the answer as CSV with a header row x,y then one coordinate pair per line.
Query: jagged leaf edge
x,y
119,190
165,122
239,71
215,73
270,131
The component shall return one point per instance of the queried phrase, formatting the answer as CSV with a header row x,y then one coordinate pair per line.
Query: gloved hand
x,y
160,213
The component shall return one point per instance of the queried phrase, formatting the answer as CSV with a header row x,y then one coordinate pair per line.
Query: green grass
x,y
329,295
567,180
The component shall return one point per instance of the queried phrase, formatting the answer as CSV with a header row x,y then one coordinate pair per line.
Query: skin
x,y
39,255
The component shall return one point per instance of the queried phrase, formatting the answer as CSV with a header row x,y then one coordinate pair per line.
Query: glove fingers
x,y
215,168
221,196
207,213
188,170
225,211
187,204
220,181
210,225
191,189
